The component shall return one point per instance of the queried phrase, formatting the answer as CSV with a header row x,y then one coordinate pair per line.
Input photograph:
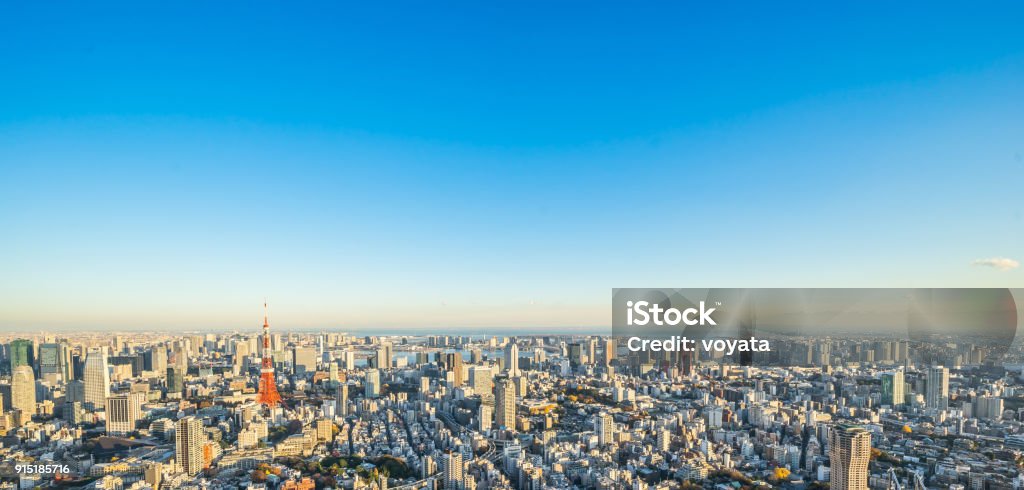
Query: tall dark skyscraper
x,y
453,364
21,352
55,360
175,379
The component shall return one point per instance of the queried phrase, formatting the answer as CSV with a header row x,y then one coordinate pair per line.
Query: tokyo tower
x,y
268,394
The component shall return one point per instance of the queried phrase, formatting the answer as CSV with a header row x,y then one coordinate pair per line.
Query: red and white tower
x,y
268,387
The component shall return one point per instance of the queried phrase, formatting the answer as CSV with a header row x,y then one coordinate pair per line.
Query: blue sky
x,y
500,165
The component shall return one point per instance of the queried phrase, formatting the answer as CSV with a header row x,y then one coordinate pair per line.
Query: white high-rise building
x,y
505,404
937,388
987,407
454,474
371,388
341,397
664,439
480,378
97,380
485,415
23,391
189,439
604,426
159,359
512,358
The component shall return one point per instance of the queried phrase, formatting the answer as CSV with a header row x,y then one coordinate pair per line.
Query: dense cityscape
x,y
527,245
273,409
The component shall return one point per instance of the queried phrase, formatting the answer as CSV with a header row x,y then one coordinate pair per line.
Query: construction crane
x,y
894,481
918,480
915,478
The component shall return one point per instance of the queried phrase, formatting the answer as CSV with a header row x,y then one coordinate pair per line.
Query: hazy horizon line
x,y
408,330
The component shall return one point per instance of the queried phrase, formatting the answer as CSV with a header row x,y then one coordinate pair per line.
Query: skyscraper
x,y
123,413
304,360
609,351
189,439
21,353
987,407
454,478
371,388
97,380
604,426
175,379
341,399
505,404
349,359
576,354
55,361
480,379
849,452
158,359
485,415
937,388
384,356
892,389
453,363
333,373
512,358
23,391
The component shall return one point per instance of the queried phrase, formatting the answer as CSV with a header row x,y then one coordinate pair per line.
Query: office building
x,y
304,359
453,364
609,351
480,378
937,388
123,413
371,389
341,399
55,361
21,352
893,389
97,380
505,404
23,391
512,358
175,379
188,440
485,416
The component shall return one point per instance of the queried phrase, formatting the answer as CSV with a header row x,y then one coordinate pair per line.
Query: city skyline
x,y
511,246
533,412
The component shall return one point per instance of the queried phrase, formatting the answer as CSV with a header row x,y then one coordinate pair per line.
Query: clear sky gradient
x,y
490,165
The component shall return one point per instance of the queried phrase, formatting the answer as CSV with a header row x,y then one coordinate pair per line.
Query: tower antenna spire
x,y
268,394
